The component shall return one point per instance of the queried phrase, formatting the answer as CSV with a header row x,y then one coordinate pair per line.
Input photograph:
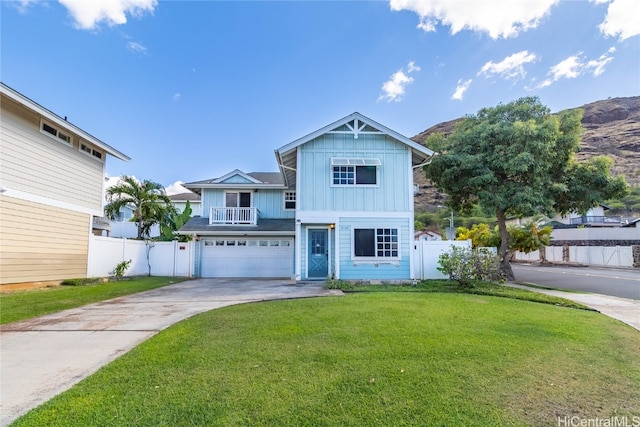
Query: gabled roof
x,y
62,122
236,173
355,124
239,180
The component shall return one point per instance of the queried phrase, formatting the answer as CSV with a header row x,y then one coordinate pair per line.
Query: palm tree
x,y
147,198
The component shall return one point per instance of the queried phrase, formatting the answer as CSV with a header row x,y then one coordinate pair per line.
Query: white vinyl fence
x,y
608,256
166,258
426,254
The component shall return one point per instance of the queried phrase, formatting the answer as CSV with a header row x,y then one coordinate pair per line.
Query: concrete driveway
x,y
42,357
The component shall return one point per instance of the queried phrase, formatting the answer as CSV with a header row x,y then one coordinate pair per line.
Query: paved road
x,y
623,283
44,356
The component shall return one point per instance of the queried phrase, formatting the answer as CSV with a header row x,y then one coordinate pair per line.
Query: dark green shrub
x,y
81,281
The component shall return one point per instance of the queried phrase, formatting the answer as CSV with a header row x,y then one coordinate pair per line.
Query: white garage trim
x,y
247,257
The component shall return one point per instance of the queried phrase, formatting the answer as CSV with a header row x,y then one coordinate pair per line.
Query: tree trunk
x,y
139,222
503,251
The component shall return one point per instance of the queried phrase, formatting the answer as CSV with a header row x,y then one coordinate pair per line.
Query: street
x,y
623,283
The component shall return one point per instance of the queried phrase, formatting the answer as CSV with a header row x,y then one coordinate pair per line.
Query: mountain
x,y
612,128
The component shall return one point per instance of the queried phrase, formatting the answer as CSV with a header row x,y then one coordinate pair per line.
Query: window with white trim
x,y
289,200
237,199
375,243
90,151
54,132
354,171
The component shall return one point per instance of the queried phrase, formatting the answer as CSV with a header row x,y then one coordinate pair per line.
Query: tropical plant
x,y
518,159
148,200
120,269
173,222
529,237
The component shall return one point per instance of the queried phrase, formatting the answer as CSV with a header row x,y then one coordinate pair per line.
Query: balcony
x,y
598,221
233,216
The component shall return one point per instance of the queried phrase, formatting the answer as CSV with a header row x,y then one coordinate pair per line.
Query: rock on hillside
x,y
612,128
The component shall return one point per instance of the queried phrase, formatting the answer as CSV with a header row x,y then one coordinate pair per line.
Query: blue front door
x,y
318,254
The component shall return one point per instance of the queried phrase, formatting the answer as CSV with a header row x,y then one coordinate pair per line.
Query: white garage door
x,y
247,258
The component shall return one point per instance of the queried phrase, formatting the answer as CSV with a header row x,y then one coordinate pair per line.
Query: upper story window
x,y
352,171
289,200
54,132
375,243
237,199
90,151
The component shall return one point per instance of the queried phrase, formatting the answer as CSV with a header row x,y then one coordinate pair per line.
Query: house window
x,y
237,200
289,200
354,171
90,151
375,243
54,132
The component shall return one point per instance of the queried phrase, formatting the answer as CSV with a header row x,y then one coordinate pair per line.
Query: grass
x,y
451,286
20,305
366,359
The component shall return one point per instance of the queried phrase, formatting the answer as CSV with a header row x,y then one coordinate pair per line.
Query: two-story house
x,y
341,206
51,188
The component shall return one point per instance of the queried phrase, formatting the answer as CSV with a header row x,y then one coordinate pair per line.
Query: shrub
x,y
120,269
81,281
466,265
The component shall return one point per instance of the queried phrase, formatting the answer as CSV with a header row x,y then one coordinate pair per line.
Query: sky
x,y
192,90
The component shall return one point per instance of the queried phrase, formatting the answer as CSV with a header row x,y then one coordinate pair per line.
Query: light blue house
x,y
341,206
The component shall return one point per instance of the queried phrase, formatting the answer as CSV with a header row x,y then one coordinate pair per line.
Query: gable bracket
x,y
287,167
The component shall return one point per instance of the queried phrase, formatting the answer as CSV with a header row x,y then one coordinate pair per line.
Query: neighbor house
x,y
341,206
594,217
51,187
179,201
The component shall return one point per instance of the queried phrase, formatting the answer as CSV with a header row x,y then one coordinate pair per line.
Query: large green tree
x,y
518,159
148,200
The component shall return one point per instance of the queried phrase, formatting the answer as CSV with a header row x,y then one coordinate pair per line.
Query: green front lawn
x,y
20,305
366,359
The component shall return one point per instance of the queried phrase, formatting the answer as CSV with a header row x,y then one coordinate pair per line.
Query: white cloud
x,y
575,66
394,88
22,6
411,67
622,20
176,188
510,67
89,14
497,18
598,64
176,96
461,89
137,48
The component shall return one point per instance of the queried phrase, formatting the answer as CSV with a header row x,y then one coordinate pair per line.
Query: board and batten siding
x,y
270,203
352,269
41,243
392,194
35,163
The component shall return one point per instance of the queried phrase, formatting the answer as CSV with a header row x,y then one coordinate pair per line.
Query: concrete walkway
x,y
622,309
42,357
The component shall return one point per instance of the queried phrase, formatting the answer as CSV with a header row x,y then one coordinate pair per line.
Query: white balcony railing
x,y
231,216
